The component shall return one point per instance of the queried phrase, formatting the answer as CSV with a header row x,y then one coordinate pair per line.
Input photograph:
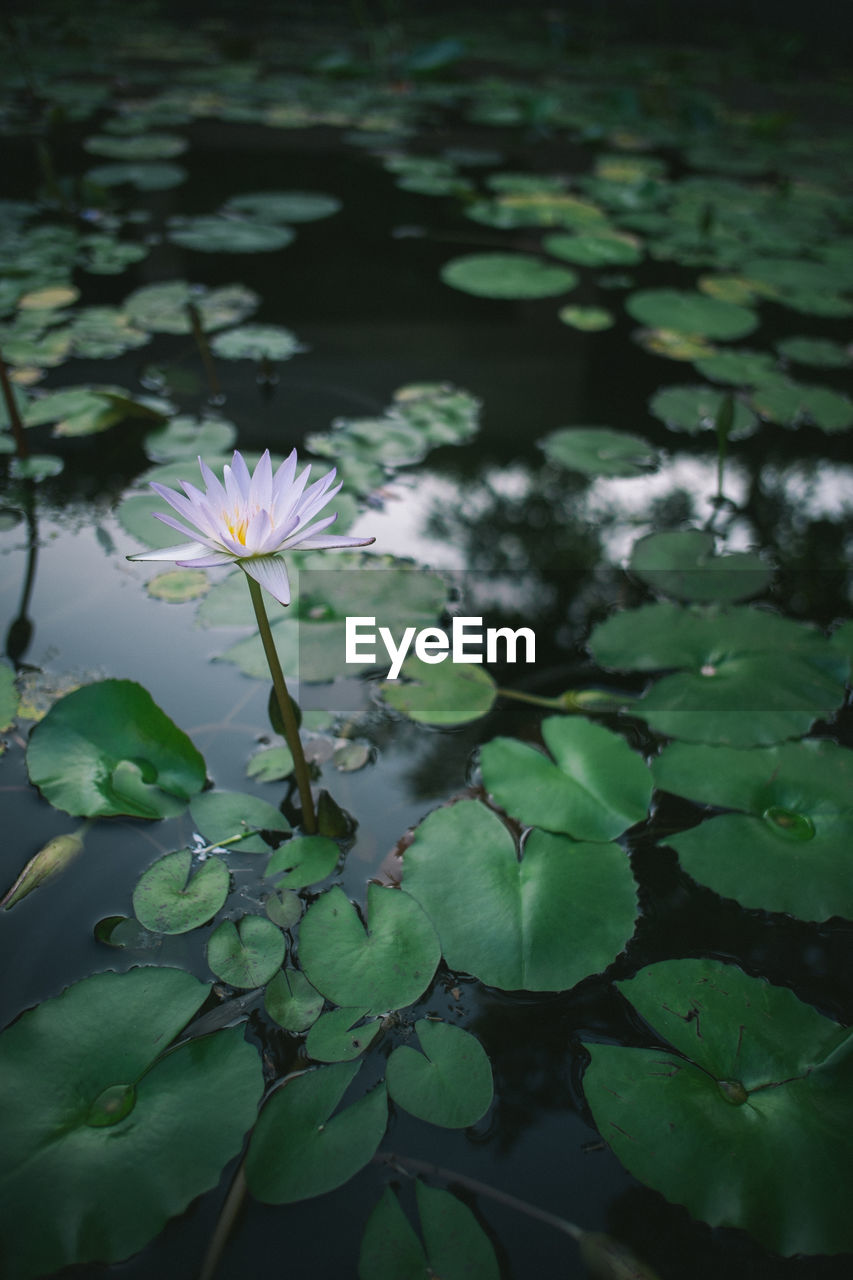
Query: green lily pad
x,y
221,815
822,352
248,953
337,1037
587,319
740,677
673,344
299,1149
37,467
178,585
463,868
145,177
598,451
256,342
291,1001
788,849
188,437
217,234
787,403
694,409
303,860
597,788
284,908
108,749
386,967
284,206
759,1083
507,275
447,693
141,146
683,564
693,313
270,764
162,308
738,368
99,333
449,1084
105,256
595,248
8,696
93,1103
455,1245
168,899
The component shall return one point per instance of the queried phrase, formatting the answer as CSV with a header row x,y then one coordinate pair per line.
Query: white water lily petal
x,y
250,519
271,573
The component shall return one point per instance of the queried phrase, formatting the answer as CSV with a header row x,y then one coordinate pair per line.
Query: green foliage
x,y
455,1245
222,815
683,564
108,749
100,1106
757,1081
246,954
463,868
169,898
449,1084
444,693
507,275
598,451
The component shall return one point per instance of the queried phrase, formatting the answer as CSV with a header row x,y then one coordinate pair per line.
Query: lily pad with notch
x,y
464,869
599,451
170,898
246,954
291,1001
222,815
108,749
757,1081
303,860
449,1083
788,847
386,965
301,1147
697,408
455,1246
341,1035
689,312
443,694
683,564
594,788
106,1135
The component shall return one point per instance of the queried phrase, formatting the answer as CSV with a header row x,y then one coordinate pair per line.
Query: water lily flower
x,y
250,520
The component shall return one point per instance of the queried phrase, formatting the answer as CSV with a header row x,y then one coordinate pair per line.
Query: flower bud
x,y
55,855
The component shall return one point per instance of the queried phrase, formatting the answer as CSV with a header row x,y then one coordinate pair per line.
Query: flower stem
x,y
285,706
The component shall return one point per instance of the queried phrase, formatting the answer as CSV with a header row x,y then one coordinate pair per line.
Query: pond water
x,y
573,323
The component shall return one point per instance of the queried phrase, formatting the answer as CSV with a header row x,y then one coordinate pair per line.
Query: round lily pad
x,y
218,234
284,206
595,248
683,564
221,815
689,312
302,861
738,368
248,953
256,342
822,352
694,409
168,898
463,868
300,1149
107,1136
788,847
599,451
270,764
449,1084
108,749
387,967
162,308
741,677
140,146
144,176
178,585
445,693
341,1035
507,275
595,788
187,437
756,1081
788,403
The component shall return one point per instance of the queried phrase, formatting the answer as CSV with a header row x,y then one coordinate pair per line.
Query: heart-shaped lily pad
x,y
162,308
535,924
455,1245
507,275
168,899
299,1149
386,966
341,1035
449,1084
598,451
695,409
739,677
759,1083
106,1136
444,693
789,847
291,1001
248,953
303,860
108,749
595,789
682,564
